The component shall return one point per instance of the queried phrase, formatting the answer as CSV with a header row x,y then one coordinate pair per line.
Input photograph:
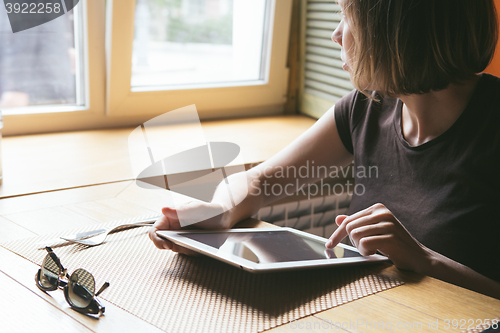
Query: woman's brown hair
x,y
417,46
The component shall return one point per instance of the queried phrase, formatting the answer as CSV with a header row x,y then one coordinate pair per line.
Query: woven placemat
x,y
177,293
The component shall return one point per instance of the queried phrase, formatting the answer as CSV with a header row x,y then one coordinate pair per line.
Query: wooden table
x,y
40,205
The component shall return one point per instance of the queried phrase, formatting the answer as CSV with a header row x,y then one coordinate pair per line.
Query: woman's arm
x,y
320,145
377,229
443,268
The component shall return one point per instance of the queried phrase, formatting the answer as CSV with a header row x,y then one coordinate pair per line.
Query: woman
x,y
430,124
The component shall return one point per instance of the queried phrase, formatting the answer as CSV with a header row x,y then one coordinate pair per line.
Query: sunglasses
x,y
78,288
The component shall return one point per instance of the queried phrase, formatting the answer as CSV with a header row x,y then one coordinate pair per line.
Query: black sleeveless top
x,y
446,192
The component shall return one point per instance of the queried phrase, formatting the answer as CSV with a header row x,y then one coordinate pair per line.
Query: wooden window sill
x,y
49,162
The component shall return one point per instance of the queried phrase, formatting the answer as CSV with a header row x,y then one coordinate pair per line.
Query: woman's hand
x,y
218,214
194,210
377,229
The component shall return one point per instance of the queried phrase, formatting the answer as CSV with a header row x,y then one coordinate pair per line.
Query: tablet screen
x,y
270,247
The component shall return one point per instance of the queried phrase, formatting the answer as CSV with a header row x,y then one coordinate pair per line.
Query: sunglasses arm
x,y
104,287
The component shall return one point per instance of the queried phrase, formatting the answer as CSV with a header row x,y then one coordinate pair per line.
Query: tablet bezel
x,y
175,236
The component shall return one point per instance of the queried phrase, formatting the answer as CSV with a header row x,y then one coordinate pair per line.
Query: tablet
x,y
268,249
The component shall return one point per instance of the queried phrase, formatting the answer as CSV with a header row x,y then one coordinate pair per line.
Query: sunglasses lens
x,y
81,288
49,275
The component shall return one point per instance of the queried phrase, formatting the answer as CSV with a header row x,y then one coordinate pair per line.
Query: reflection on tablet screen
x,y
270,247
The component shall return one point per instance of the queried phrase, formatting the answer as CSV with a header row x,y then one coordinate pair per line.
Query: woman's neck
x,y
426,116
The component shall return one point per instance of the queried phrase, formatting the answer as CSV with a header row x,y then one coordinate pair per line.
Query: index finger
x,y
337,236
341,231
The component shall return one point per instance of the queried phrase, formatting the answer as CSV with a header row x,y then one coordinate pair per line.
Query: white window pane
x,y
42,65
198,42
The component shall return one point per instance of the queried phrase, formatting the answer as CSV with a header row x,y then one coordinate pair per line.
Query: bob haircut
x,y
416,46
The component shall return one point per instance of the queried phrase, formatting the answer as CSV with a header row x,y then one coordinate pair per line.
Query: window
x,y
87,107
247,76
198,43
42,66
116,82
